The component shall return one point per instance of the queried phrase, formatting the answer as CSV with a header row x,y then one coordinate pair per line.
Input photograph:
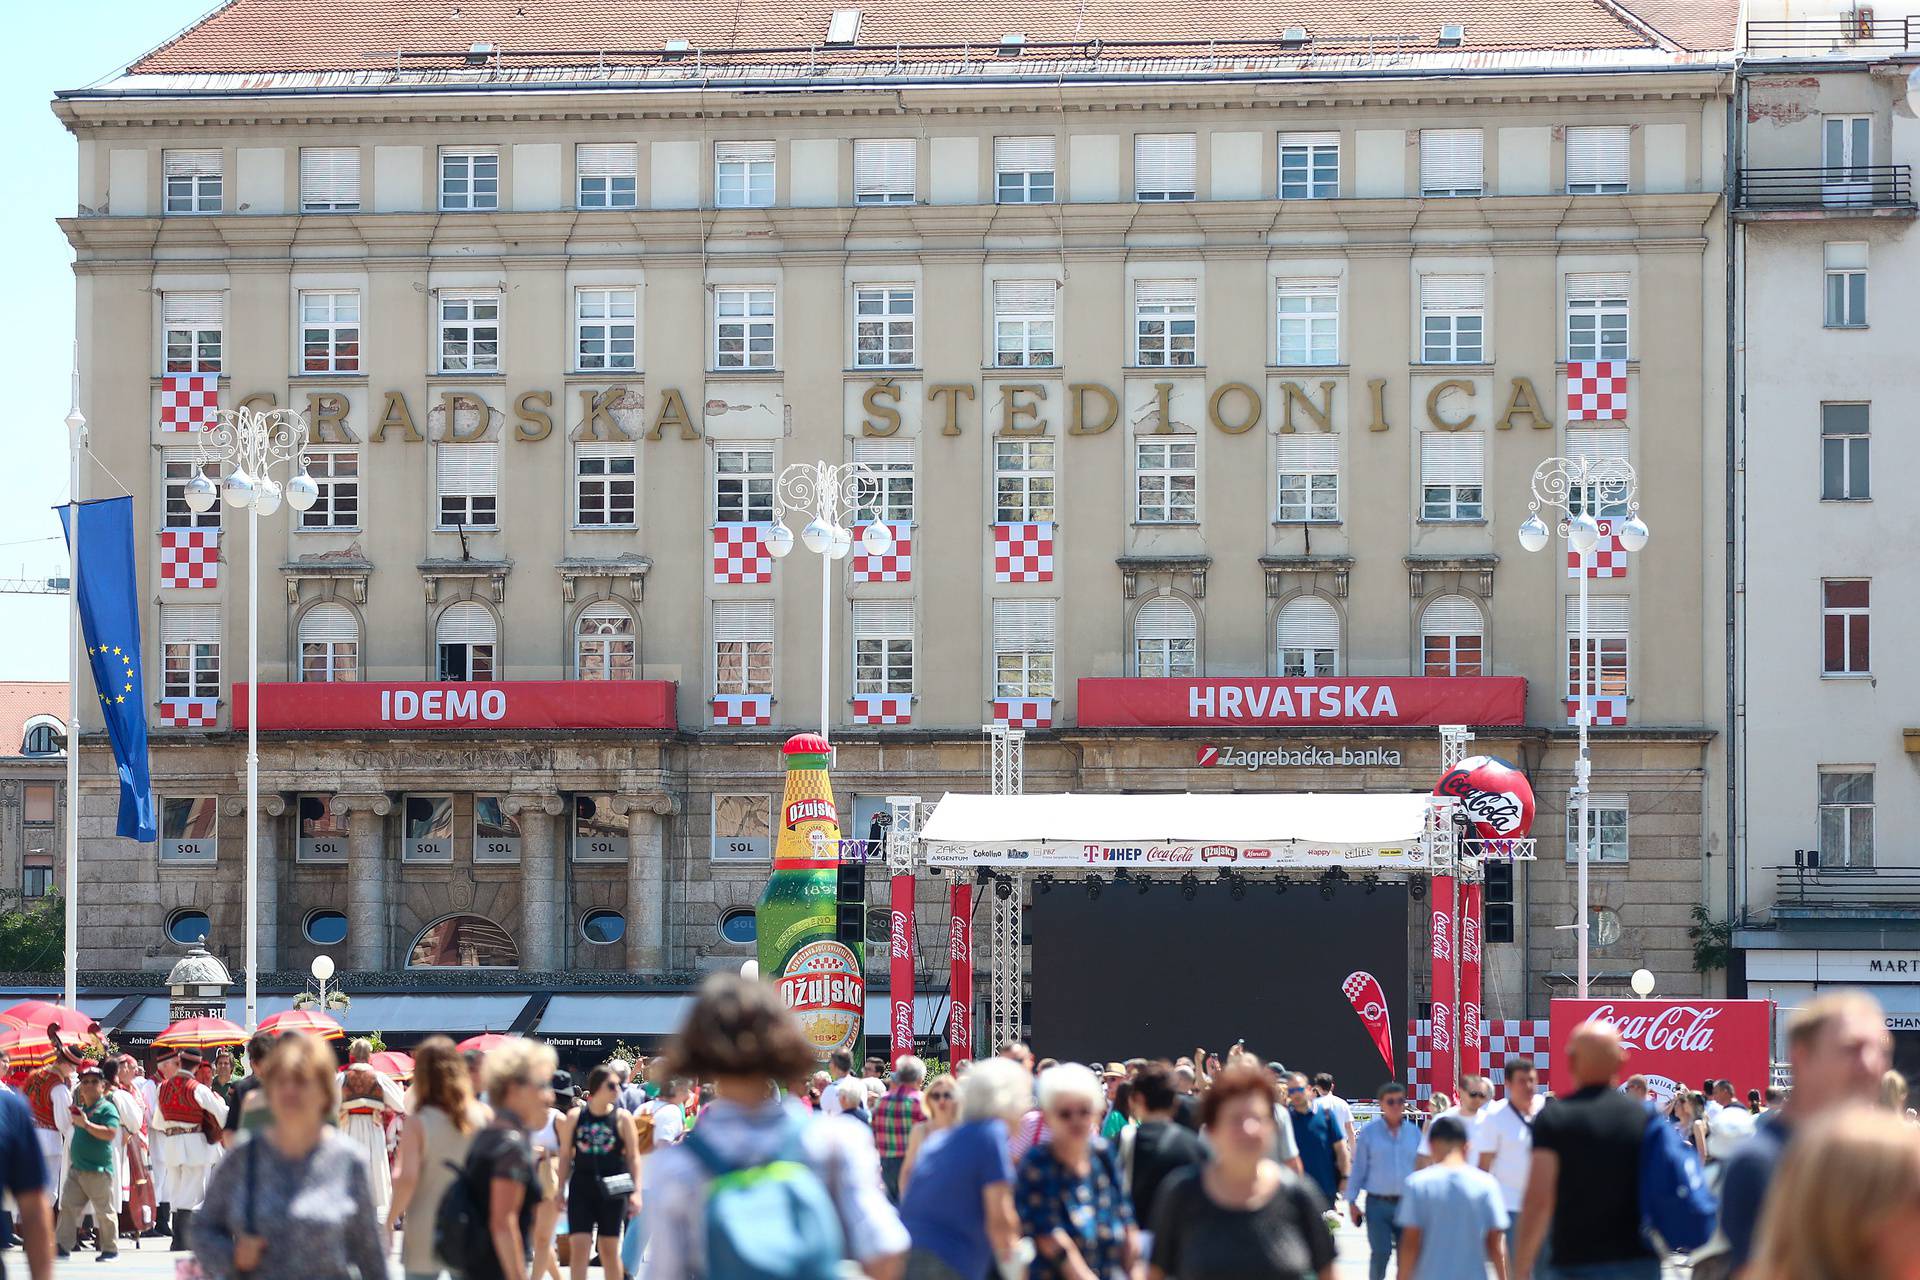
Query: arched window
x,y
45,736
467,638
1452,638
329,644
1308,637
1165,639
604,647
463,942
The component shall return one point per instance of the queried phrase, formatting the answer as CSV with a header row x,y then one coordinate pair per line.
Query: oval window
x,y
188,928
327,928
739,927
604,926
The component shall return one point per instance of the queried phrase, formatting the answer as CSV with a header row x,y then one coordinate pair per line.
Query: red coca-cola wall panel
x,y
1685,1042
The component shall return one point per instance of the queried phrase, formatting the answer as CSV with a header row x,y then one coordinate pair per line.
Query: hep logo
x,y
1207,756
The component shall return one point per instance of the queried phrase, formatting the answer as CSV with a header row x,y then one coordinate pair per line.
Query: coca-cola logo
x,y
959,1033
903,1025
960,941
1442,1029
1469,1022
1680,1028
1442,936
902,937
1469,940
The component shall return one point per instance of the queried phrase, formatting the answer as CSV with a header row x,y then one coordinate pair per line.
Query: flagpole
x,y
77,440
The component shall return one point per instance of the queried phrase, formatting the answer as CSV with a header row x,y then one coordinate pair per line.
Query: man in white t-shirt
x,y
669,1112
1325,1099
1475,1093
839,1067
1502,1142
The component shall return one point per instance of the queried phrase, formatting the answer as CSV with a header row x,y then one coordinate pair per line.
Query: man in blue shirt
x,y
23,1172
1383,1159
1323,1149
1452,1219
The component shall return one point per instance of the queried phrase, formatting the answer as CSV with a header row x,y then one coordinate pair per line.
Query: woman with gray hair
x,y
1070,1194
958,1206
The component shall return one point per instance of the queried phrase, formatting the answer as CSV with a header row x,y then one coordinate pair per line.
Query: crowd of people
x,y
732,1155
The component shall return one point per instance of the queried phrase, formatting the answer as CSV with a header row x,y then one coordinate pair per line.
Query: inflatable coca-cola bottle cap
x,y
1495,796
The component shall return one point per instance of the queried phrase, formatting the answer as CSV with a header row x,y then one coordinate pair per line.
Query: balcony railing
x,y
1815,37
1845,892
1834,189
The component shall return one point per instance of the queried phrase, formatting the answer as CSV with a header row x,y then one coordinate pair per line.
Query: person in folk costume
x,y
49,1094
186,1106
165,1062
131,1155
367,1099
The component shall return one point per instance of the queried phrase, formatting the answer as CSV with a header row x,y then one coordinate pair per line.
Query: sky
x,y
63,45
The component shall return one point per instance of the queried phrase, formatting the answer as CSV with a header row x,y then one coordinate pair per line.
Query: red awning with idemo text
x,y
504,704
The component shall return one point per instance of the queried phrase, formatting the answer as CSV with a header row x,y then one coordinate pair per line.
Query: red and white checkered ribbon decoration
x,y
883,708
895,566
189,401
189,713
740,554
742,709
1608,559
1596,390
1606,711
1500,1040
1023,552
1023,713
189,558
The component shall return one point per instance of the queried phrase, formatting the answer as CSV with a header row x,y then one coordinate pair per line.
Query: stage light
x,y
1328,882
1003,887
1373,884
1222,876
1189,886
1237,886
1121,876
1093,887
1044,882
983,875
1281,886
1417,889
1141,884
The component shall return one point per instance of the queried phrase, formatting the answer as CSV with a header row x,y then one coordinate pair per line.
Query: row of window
x,y
326,927
1597,161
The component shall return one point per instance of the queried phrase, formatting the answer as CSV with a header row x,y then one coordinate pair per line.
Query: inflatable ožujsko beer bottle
x,y
821,978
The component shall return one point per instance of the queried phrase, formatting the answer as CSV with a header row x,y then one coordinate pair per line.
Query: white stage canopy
x,y
1368,832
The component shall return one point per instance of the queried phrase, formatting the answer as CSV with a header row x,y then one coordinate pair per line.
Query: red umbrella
x,y
26,1047
310,1021
392,1062
38,1014
201,1034
483,1042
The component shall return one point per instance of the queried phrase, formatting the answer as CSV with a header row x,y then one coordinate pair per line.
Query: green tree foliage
x,y
33,933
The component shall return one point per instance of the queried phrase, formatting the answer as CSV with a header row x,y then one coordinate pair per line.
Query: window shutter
x,y
466,623
1451,616
1022,624
1591,443
190,624
328,623
1166,293
883,619
1598,286
1308,622
469,469
742,152
190,309
1847,255
1023,297
1164,162
1309,451
468,295
192,164
595,449
607,159
1453,457
1165,618
1309,288
1450,159
1023,155
742,621
883,166
884,454
1605,615
186,456
1329,138
329,175
1598,154
1453,293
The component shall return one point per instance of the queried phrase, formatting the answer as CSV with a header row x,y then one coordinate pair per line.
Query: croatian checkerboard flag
x,y
1608,559
740,554
1023,713
895,566
742,710
1596,390
1501,1038
883,708
189,558
1606,711
189,401
1023,552
189,713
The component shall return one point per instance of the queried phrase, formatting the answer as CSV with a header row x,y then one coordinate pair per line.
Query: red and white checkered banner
x,y
742,709
1023,552
883,708
1606,711
740,554
1023,713
189,401
189,558
1608,559
1500,1039
1596,390
189,713
895,566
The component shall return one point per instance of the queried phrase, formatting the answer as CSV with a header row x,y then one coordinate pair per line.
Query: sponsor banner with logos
x,y
509,704
1675,1042
1112,702
1250,857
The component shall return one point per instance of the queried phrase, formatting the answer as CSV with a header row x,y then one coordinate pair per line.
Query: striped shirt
x,y
894,1116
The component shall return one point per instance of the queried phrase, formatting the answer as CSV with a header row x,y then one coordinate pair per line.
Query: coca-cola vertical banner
x,y
1472,892
900,967
1445,1069
1675,1042
960,985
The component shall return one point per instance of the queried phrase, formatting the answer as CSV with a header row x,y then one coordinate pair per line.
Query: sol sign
x,y
1675,1042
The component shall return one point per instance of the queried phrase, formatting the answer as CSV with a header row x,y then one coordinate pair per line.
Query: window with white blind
x,y
883,646
1307,327
605,646
1022,481
608,175
192,179
742,484
1023,171
1606,829
1309,477
329,644
603,484
1845,815
329,179
1598,159
329,331
1604,673
469,331
1452,638
1309,166
889,494
1452,162
1166,639
1165,481
743,175
1023,637
1453,319
1846,284
468,484
1307,637
1165,166
192,331
1453,475
1023,323
1166,317
469,178
178,466
742,646
190,650
336,473
1597,315
883,170
605,328
883,326
468,639
743,329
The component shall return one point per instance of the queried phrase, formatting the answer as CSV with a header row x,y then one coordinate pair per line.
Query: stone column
x,y
366,876
647,949
540,921
272,805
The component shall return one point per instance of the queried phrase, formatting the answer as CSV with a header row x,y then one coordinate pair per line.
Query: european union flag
x,y
108,592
